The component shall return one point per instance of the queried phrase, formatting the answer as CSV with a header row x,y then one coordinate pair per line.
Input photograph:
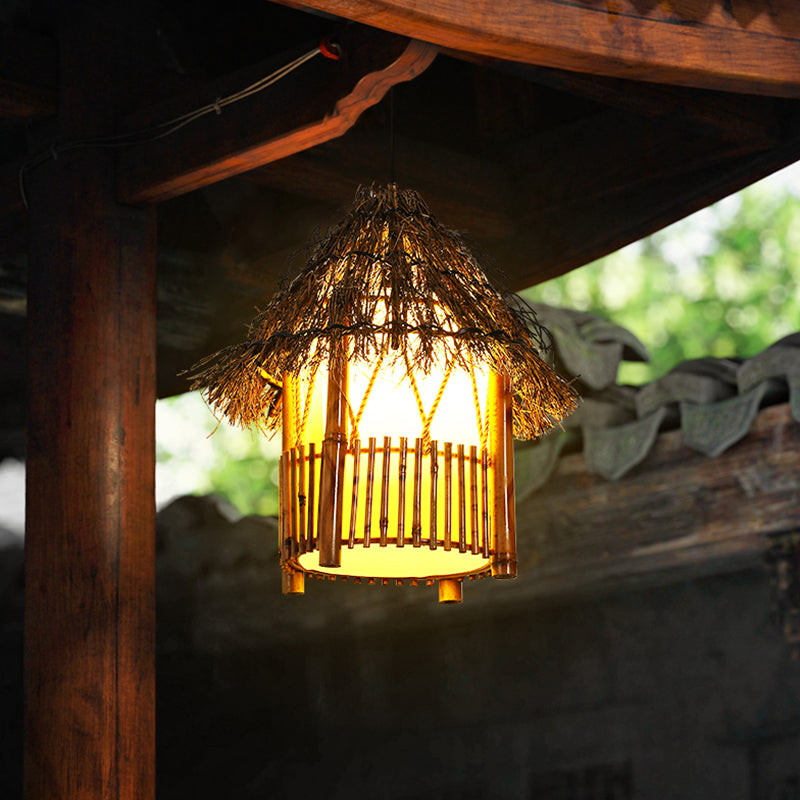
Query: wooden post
x,y
90,487
90,493
501,441
334,447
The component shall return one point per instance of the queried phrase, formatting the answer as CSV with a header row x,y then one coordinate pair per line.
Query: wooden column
x,y
90,518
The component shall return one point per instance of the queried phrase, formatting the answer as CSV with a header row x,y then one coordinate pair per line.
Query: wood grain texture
x,y
90,484
749,46
90,505
677,513
318,102
557,238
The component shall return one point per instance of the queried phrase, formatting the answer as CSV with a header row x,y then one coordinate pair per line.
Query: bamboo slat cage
x,y
399,376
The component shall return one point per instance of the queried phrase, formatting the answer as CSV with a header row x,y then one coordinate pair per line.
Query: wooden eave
x,y
549,153
556,130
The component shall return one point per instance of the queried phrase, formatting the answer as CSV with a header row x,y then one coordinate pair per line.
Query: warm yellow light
x,y
425,501
388,363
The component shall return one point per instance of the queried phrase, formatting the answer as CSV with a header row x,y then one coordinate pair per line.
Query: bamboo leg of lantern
x,y
293,581
450,590
383,521
401,492
416,523
448,495
334,448
434,489
370,484
351,542
504,560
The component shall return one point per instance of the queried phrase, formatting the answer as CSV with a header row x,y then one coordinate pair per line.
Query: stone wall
x,y
670,693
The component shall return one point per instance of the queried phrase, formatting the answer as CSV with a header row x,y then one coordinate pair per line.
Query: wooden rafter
x,y
319,102
732,45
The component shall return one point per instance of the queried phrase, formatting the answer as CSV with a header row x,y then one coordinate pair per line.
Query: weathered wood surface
x,y
749,46
90,505
318,102
689,174
678,513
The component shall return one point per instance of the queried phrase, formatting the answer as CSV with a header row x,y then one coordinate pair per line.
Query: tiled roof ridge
x,y
713,401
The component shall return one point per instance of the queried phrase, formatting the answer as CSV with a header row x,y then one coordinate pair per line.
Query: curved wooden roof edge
x,y
752,48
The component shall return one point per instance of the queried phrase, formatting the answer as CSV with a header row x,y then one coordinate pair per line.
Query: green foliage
x,y
722,283
196,455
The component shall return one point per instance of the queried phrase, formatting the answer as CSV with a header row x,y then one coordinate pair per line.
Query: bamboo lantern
x,y
399,377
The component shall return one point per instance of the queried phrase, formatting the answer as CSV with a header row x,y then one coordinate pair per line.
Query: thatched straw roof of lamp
x,y
387,281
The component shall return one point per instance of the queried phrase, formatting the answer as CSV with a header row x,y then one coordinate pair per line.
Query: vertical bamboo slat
x,y
301,499
448,495
462,502
285,523
370,484
354,502
416,524
383,522
288,422
504,562
334,448
485,503
293,530
473,500
401,492
434,511
312,483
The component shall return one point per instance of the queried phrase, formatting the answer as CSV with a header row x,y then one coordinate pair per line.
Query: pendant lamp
x,y
399,377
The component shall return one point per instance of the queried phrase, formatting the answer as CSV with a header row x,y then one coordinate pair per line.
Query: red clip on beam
x,y
330,49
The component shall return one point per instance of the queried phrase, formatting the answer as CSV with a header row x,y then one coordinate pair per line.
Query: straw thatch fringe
x,y
388,280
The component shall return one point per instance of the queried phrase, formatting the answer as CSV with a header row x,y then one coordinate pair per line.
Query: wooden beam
x,y
318,102
90,503
749,46
678,514
28,70
726,116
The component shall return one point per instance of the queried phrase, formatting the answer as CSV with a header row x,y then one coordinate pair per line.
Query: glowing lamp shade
x,y
391,475
398,376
